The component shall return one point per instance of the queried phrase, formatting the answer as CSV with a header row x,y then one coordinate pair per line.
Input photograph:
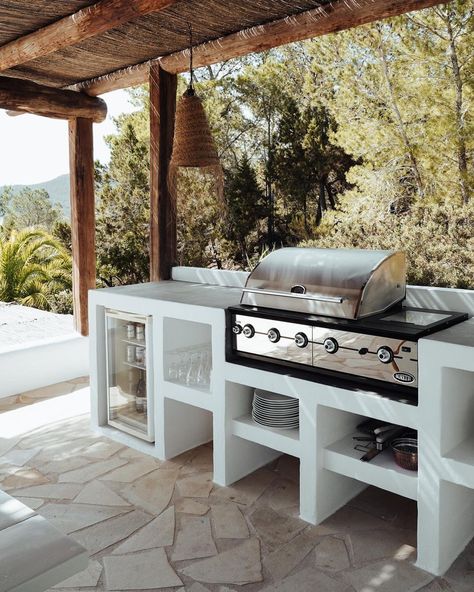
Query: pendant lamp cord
x,y
191,71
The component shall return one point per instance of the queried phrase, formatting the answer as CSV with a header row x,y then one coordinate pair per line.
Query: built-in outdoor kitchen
x,y
304,425
322,354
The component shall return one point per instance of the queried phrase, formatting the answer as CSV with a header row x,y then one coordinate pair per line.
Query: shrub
x,y
437,238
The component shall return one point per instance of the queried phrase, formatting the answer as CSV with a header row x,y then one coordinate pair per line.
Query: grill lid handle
x,y
317,297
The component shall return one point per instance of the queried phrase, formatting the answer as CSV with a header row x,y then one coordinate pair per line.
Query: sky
x,y
34,149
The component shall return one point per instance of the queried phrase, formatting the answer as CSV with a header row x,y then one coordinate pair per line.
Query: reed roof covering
x,y
144,38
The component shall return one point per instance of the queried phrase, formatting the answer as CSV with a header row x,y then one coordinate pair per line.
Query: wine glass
x,y
173,366
193,370
183,366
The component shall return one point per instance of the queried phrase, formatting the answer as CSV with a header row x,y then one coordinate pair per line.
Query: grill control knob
x,y
331,345
237,329
273,335
385,354
248,331
301,340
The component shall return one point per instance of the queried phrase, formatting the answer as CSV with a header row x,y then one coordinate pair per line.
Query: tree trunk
x,y
460,128
215,255
243,249
320,203
330,195
322,196
319,213
268,185
398,118
305,214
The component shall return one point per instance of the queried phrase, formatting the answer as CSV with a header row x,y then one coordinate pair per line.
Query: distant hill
x,y
57,188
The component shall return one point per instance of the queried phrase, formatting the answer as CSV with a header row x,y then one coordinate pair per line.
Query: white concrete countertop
x,y
196,294
460,334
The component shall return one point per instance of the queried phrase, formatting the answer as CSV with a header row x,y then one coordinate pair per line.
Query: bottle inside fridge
x,y
129,384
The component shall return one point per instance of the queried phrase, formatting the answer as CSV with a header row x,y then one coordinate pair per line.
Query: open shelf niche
x,y
457,439
194,427
340,456
246,446
282,440
182,338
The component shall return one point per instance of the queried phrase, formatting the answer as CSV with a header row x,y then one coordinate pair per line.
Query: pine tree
x,y
246,209
123,213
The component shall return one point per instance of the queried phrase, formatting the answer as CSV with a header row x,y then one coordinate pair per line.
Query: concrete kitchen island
x,y
186,312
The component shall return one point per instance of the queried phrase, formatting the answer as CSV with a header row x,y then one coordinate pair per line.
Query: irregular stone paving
x,y
146,570
91,471
157,533
331,554
281,562
239,565
194,539
199,485
164,526
88,577
131,471
98,493
22,477
229,523
71,517
189,506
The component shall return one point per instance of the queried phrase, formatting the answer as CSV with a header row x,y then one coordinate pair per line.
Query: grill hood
x,y
343,283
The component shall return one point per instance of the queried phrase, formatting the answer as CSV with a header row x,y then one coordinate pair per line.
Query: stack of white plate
x,y
275,411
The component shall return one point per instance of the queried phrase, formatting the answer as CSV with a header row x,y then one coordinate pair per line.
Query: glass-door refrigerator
x,y
129,373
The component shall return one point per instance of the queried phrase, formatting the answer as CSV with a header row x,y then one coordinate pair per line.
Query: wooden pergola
x,y
57,57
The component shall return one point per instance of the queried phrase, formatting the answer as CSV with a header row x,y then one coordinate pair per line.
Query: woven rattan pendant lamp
x,y
193,144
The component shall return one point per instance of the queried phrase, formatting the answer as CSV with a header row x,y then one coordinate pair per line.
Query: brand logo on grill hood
x,y
403,377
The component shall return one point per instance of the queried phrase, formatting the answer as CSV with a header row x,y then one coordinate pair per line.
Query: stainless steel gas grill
x,y
336,312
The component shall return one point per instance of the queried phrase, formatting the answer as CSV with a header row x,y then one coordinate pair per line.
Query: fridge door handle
x,y
125,316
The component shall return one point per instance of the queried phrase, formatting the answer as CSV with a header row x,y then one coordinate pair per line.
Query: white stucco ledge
x,y
38,348
462,334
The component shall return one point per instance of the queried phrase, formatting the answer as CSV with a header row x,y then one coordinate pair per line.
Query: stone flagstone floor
x,y
151,525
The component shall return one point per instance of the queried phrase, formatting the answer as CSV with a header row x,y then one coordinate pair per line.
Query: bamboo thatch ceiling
x,y
141,39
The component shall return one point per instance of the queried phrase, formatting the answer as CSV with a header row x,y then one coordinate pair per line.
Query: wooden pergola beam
x,y
87,22
162,209
331,18
81,170
29,97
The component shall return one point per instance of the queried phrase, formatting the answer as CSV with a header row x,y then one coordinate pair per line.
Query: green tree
x,y
309,170
371,127
31,208
62,232
5,197
123,213
260,90
200,222
33,267
437,238
246,209
441,42
401,94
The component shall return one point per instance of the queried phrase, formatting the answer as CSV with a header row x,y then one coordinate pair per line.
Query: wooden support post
x,y
162,210
81,164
